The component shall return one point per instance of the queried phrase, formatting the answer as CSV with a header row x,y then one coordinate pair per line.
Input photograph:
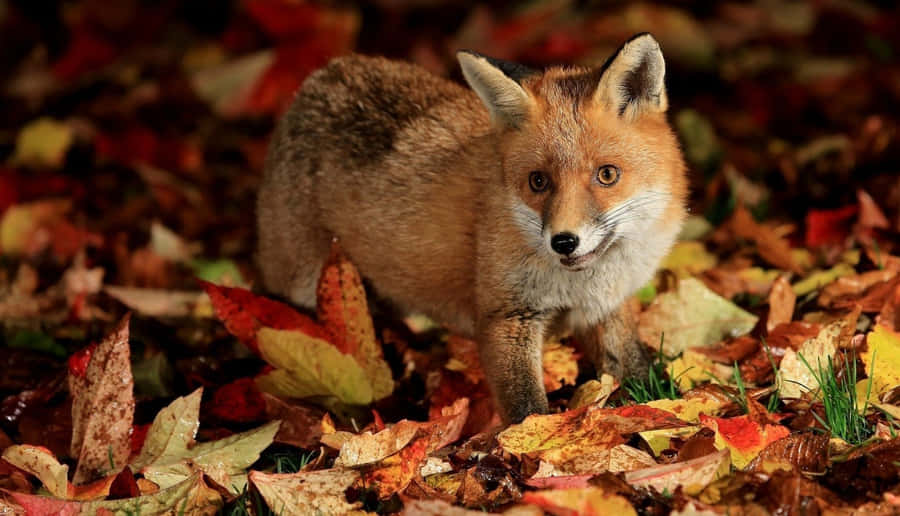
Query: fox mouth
x,y
577,263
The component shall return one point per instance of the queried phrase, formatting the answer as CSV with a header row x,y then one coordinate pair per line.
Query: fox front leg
x,y
613,346
510,349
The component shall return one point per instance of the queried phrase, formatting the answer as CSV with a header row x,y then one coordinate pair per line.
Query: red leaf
x,y
138,435
239,401
281,19
87,52
244,313
79,360
829,226
124,485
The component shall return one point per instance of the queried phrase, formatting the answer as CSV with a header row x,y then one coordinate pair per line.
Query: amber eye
x,y
538,181
608,175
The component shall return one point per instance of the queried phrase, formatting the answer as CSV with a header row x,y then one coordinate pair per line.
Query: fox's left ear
x,y
498,85
633,82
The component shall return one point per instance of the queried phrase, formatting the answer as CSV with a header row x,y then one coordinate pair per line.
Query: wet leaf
x,y
172,432
882,359
307,492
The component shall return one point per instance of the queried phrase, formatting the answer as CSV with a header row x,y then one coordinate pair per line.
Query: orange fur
x,y
428,193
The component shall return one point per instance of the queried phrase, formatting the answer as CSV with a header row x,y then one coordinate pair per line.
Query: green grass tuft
x,y
842,415
656,386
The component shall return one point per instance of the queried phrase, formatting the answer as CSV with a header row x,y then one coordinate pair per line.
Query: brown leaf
x,y
781,303
300,423
772,247
806,451
103,408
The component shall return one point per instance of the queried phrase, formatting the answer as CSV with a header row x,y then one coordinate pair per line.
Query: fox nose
x,y
564,243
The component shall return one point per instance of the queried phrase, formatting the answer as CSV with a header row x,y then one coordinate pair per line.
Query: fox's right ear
x,y
497,84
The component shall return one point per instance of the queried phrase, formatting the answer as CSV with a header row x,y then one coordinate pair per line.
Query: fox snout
x,y
564,243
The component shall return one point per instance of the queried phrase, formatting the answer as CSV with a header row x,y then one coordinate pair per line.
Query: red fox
x,y
534,202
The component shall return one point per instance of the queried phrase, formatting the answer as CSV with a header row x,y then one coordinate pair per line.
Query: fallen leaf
x,y
795,378
307,492
882,359
870,215
227,87
781,303
593,392
307,366
43,143
659,440
300,424
244,313
172,432
742,436
688,259
851,286
158,302
692,476
21,223
224,461
693,368
41,463
191,496
560,363
688,410
103,408
819,279
825,227
691,315
772,247
614,460
344,314
588,500
807,452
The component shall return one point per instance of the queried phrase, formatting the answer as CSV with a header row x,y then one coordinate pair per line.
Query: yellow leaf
x,y
688,259
661,439
38,461
692,316
560,365
615,460
21,221
172,432
882,359
593,392
688,410
819,279
43,143
693,368
307,366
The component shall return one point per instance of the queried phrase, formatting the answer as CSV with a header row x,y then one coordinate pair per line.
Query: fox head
x,y
588,154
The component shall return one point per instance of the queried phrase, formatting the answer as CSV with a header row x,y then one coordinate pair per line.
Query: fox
x,y
532,203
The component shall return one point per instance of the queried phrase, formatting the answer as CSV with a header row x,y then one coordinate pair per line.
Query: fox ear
x,y
497,84
633,82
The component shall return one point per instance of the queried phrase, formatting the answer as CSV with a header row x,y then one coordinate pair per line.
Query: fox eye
x,y
538,181
608,175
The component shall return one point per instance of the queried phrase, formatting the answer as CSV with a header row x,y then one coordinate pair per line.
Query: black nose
x,y
564,243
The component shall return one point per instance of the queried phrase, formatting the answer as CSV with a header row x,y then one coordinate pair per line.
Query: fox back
x,y
533,200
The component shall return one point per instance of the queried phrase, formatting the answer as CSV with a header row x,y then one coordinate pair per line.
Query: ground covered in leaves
x,y
141,374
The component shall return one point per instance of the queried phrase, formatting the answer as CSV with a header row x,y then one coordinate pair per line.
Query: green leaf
x,y
691,316
224,461
220,272
172,431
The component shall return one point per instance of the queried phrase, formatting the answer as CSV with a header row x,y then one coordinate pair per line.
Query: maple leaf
x,y
691,315
744,437
224,460
244,313
41,463
691,475
307,492
172,432
103,408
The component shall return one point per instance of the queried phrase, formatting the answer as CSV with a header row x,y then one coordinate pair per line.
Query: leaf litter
x,y
126,182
